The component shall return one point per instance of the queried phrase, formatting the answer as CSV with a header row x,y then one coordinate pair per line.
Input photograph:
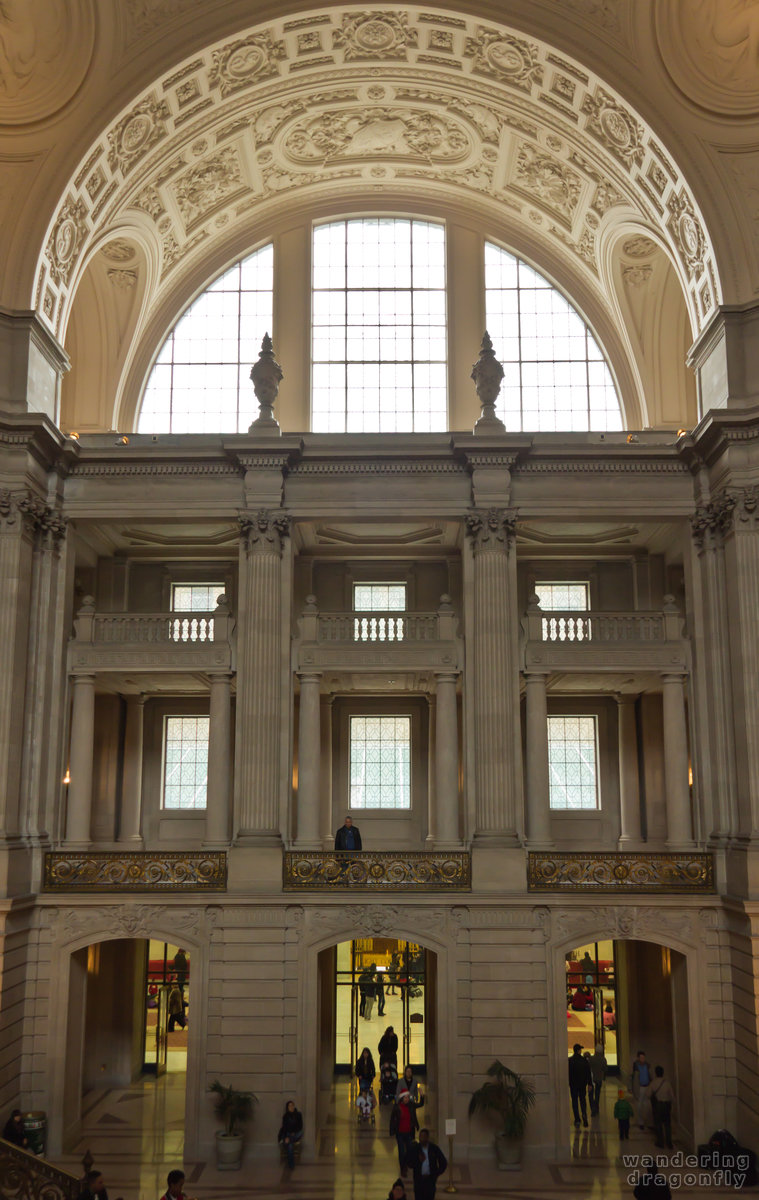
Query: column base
x,y
487,840
441,845
134,843
632,845
213,845
680,847
543,844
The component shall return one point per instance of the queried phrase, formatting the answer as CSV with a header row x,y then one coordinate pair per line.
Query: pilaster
x,y
537,800
34,363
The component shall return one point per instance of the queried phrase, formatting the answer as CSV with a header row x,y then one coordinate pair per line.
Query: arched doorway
x,y
626,995
126,1034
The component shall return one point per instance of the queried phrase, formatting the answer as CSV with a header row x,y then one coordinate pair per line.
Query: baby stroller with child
x,y
366,1104
388,1082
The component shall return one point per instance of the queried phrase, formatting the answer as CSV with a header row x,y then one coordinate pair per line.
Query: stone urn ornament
x,y
487,374
266,375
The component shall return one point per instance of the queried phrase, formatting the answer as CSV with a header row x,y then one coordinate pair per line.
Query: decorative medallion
x,y
639,246
687,234
369,35
614,127
66,240
509,59
136,133
242,63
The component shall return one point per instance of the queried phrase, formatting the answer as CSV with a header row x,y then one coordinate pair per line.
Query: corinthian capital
x,y
493,531
265,532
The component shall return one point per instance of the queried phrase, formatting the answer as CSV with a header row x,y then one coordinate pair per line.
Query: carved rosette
x,y
617,872
376,35
614,127
411,871
241,63
492,532
136,133
506,58
66,240
265,533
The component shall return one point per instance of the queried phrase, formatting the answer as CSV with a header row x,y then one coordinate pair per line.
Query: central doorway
x,y
378,982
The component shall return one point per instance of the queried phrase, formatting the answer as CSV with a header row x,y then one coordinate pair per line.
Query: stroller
x,y
366,1104
388,1082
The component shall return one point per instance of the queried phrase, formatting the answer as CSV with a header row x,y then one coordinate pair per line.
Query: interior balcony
x,y
167,641
605,641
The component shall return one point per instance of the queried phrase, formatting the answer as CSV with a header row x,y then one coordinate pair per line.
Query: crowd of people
x,y
650,1097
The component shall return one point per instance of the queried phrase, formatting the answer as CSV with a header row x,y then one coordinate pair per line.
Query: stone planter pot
x,y
508,1152
229,1151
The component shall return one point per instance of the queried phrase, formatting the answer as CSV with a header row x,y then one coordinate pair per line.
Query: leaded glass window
x,y
380,762
572,762
185,763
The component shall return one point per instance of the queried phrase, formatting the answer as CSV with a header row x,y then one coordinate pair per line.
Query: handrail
x,y
141,628
603,627
24,1176
378,627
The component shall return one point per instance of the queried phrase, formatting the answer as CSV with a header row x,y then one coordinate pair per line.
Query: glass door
x,y
380,982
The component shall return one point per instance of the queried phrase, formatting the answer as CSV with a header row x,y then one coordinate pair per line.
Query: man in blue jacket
x,y
348,838
427,1161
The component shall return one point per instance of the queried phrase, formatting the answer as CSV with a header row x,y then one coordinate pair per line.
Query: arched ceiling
x,y
345,103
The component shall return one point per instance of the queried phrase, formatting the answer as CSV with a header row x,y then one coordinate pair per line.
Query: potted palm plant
x,y
508,1098
233,1108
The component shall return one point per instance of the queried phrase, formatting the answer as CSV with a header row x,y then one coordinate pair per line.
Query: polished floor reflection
x,y
136,1136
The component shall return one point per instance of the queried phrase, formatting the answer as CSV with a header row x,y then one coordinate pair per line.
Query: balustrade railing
x,y
24,1176
377,627
152,628
602,627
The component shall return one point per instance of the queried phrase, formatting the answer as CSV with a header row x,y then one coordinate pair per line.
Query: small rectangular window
x,y
381,600
195,597
380,762
569,596
572,763
185,763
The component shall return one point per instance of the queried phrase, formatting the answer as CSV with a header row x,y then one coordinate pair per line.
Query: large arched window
x,y
556,377
200,382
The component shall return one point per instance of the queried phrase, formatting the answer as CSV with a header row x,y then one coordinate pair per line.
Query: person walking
x,y
623,1110
580,1079
290,1131
379,983
365,1069
411,1086
174,1186
397,1191
94,1186
388,1046
598,1069
176,1007
639,1085
661,1096
181,967
426,1161
370,992
403,1123
363,982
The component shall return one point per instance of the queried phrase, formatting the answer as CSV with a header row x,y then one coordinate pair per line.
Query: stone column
x,y
629,781
446,823
537,801
219,751
309,760
492,633
131,791
80,761
677,791
259,714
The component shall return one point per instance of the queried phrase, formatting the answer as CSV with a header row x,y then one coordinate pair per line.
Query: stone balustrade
x,y
377,871
384,627
604,640
598,871
378,639
162,641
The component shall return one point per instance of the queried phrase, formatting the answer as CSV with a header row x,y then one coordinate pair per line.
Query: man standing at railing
x,y
348,838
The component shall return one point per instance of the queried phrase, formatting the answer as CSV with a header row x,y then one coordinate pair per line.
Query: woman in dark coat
x,y
388,1046
365,1068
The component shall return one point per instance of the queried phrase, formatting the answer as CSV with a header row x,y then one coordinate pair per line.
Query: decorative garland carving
x,y
135,871
615,872
382,871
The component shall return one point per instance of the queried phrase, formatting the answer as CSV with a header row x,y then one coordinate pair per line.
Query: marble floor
x,y
136,1136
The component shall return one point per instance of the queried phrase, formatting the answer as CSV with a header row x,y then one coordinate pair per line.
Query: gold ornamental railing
x,y
24,1176
377,871
619,872
135,871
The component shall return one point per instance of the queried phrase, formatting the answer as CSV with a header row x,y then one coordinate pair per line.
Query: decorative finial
x,y
266,375
487,374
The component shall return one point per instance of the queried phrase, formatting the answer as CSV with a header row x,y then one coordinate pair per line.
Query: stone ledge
x,y
135,871
381,871
620,872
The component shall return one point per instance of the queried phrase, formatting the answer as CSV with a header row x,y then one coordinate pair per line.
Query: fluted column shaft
x,y
446,761
259,674
16,557
131,791
219,764
309,759
677,791
537,806
741,541
493,632
80,760
629,779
